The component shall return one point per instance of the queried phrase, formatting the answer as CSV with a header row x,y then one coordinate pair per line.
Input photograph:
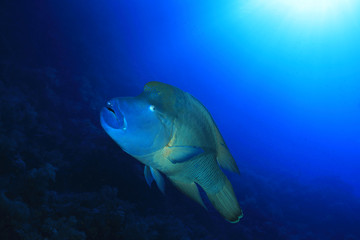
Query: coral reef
x,y
62,178
54,180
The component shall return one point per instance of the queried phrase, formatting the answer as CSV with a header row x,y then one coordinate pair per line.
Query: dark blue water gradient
x,y
284,91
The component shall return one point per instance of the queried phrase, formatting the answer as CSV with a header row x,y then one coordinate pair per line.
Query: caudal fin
x,y
226,204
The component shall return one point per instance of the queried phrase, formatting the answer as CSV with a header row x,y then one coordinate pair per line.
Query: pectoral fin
x,y
180,154
148,176
158,179
189,189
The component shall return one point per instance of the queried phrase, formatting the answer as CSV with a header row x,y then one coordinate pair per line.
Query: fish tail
x,y
225,202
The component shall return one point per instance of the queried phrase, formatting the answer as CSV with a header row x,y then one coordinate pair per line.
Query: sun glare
x,y
309,13
314,10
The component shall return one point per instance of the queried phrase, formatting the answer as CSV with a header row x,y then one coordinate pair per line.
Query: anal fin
x,y
190,189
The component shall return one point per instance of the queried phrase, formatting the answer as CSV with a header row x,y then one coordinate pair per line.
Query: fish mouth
x,y
111,110
113,117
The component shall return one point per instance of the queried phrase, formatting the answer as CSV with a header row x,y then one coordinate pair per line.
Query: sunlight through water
x,y
307,13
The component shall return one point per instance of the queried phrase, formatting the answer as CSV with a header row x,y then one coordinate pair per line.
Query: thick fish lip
x,y
110,109
112,118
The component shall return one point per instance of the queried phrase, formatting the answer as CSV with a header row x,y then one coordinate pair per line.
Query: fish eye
x,y
152,108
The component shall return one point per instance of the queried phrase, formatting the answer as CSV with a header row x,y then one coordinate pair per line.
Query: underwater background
x,y
280,78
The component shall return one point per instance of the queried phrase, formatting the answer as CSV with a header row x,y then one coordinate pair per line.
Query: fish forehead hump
x,y
172,98
169,100
193,124
163,96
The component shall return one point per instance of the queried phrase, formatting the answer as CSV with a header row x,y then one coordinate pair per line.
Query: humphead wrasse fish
x,y
172,133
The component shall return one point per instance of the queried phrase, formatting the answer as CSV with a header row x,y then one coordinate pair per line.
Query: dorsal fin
x,y
224,157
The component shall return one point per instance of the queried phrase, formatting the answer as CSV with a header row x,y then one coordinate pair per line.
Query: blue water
x,y
280,78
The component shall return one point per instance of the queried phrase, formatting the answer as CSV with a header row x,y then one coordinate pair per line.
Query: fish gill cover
x,y
280,78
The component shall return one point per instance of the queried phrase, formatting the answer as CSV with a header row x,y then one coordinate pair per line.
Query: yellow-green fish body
x,y
171,132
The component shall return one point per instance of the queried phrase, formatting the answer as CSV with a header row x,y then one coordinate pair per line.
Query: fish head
x,y
136,124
